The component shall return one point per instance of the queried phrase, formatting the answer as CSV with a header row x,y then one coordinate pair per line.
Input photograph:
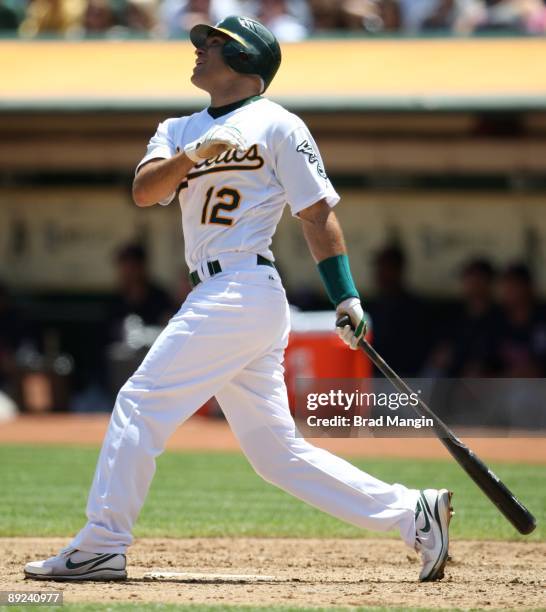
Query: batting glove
x,y
352,307
218,139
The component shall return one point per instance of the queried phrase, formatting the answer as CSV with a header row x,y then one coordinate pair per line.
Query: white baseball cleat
x,y
432,515
71,564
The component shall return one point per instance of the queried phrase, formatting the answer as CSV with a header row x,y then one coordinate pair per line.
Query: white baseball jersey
x,y
233,202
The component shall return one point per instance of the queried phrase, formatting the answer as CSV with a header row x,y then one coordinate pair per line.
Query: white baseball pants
x,y
227,340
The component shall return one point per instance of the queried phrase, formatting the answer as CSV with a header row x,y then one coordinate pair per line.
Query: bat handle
x,y
344,320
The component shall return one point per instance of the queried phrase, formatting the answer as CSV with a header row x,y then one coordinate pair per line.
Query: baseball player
x,y
233,167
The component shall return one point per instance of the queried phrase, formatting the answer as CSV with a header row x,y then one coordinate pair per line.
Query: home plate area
x,y
209,578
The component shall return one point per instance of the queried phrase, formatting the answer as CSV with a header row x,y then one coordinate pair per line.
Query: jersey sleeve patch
x,y
301,172
306,148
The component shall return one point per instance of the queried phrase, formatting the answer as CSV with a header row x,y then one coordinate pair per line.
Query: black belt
x,y
215,268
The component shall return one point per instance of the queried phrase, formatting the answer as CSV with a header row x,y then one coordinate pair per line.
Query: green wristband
x,y
336,276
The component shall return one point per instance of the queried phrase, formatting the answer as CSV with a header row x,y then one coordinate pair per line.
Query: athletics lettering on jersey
x,y
306,148
225,162
229,160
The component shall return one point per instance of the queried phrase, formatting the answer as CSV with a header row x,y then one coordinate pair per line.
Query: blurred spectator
x,y
399,322
141,16
522,337
220,9
372,16
276,16
500,15
52,17
418,15
91,17
137,315
467,347
99,17
9,19
137,293
326,15
301,10
368,15
11,338
534,17
179,16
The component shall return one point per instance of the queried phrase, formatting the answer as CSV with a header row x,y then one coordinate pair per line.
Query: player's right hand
x,y
351,335
218,139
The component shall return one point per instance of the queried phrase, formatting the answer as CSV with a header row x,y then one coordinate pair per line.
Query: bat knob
x,y
344,320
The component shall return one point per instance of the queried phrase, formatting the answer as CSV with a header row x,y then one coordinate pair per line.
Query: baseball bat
x,y
508,504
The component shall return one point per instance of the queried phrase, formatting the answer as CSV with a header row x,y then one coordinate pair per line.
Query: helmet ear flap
x,y
237,58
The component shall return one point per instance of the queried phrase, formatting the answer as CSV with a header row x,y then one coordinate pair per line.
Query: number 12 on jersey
x,y
227,199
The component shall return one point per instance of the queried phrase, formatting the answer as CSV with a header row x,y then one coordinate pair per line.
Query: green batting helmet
x,y
251,48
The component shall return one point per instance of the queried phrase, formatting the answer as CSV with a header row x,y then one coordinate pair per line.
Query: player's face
x,y
210,69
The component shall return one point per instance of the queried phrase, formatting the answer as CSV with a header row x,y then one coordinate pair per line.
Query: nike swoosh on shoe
x,y
426,512
91,562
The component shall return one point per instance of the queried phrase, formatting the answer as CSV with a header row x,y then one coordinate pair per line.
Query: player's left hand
x,y
218,139
352,307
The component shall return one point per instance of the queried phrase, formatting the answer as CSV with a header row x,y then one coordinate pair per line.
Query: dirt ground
x,y
302,572
201,433
292,572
